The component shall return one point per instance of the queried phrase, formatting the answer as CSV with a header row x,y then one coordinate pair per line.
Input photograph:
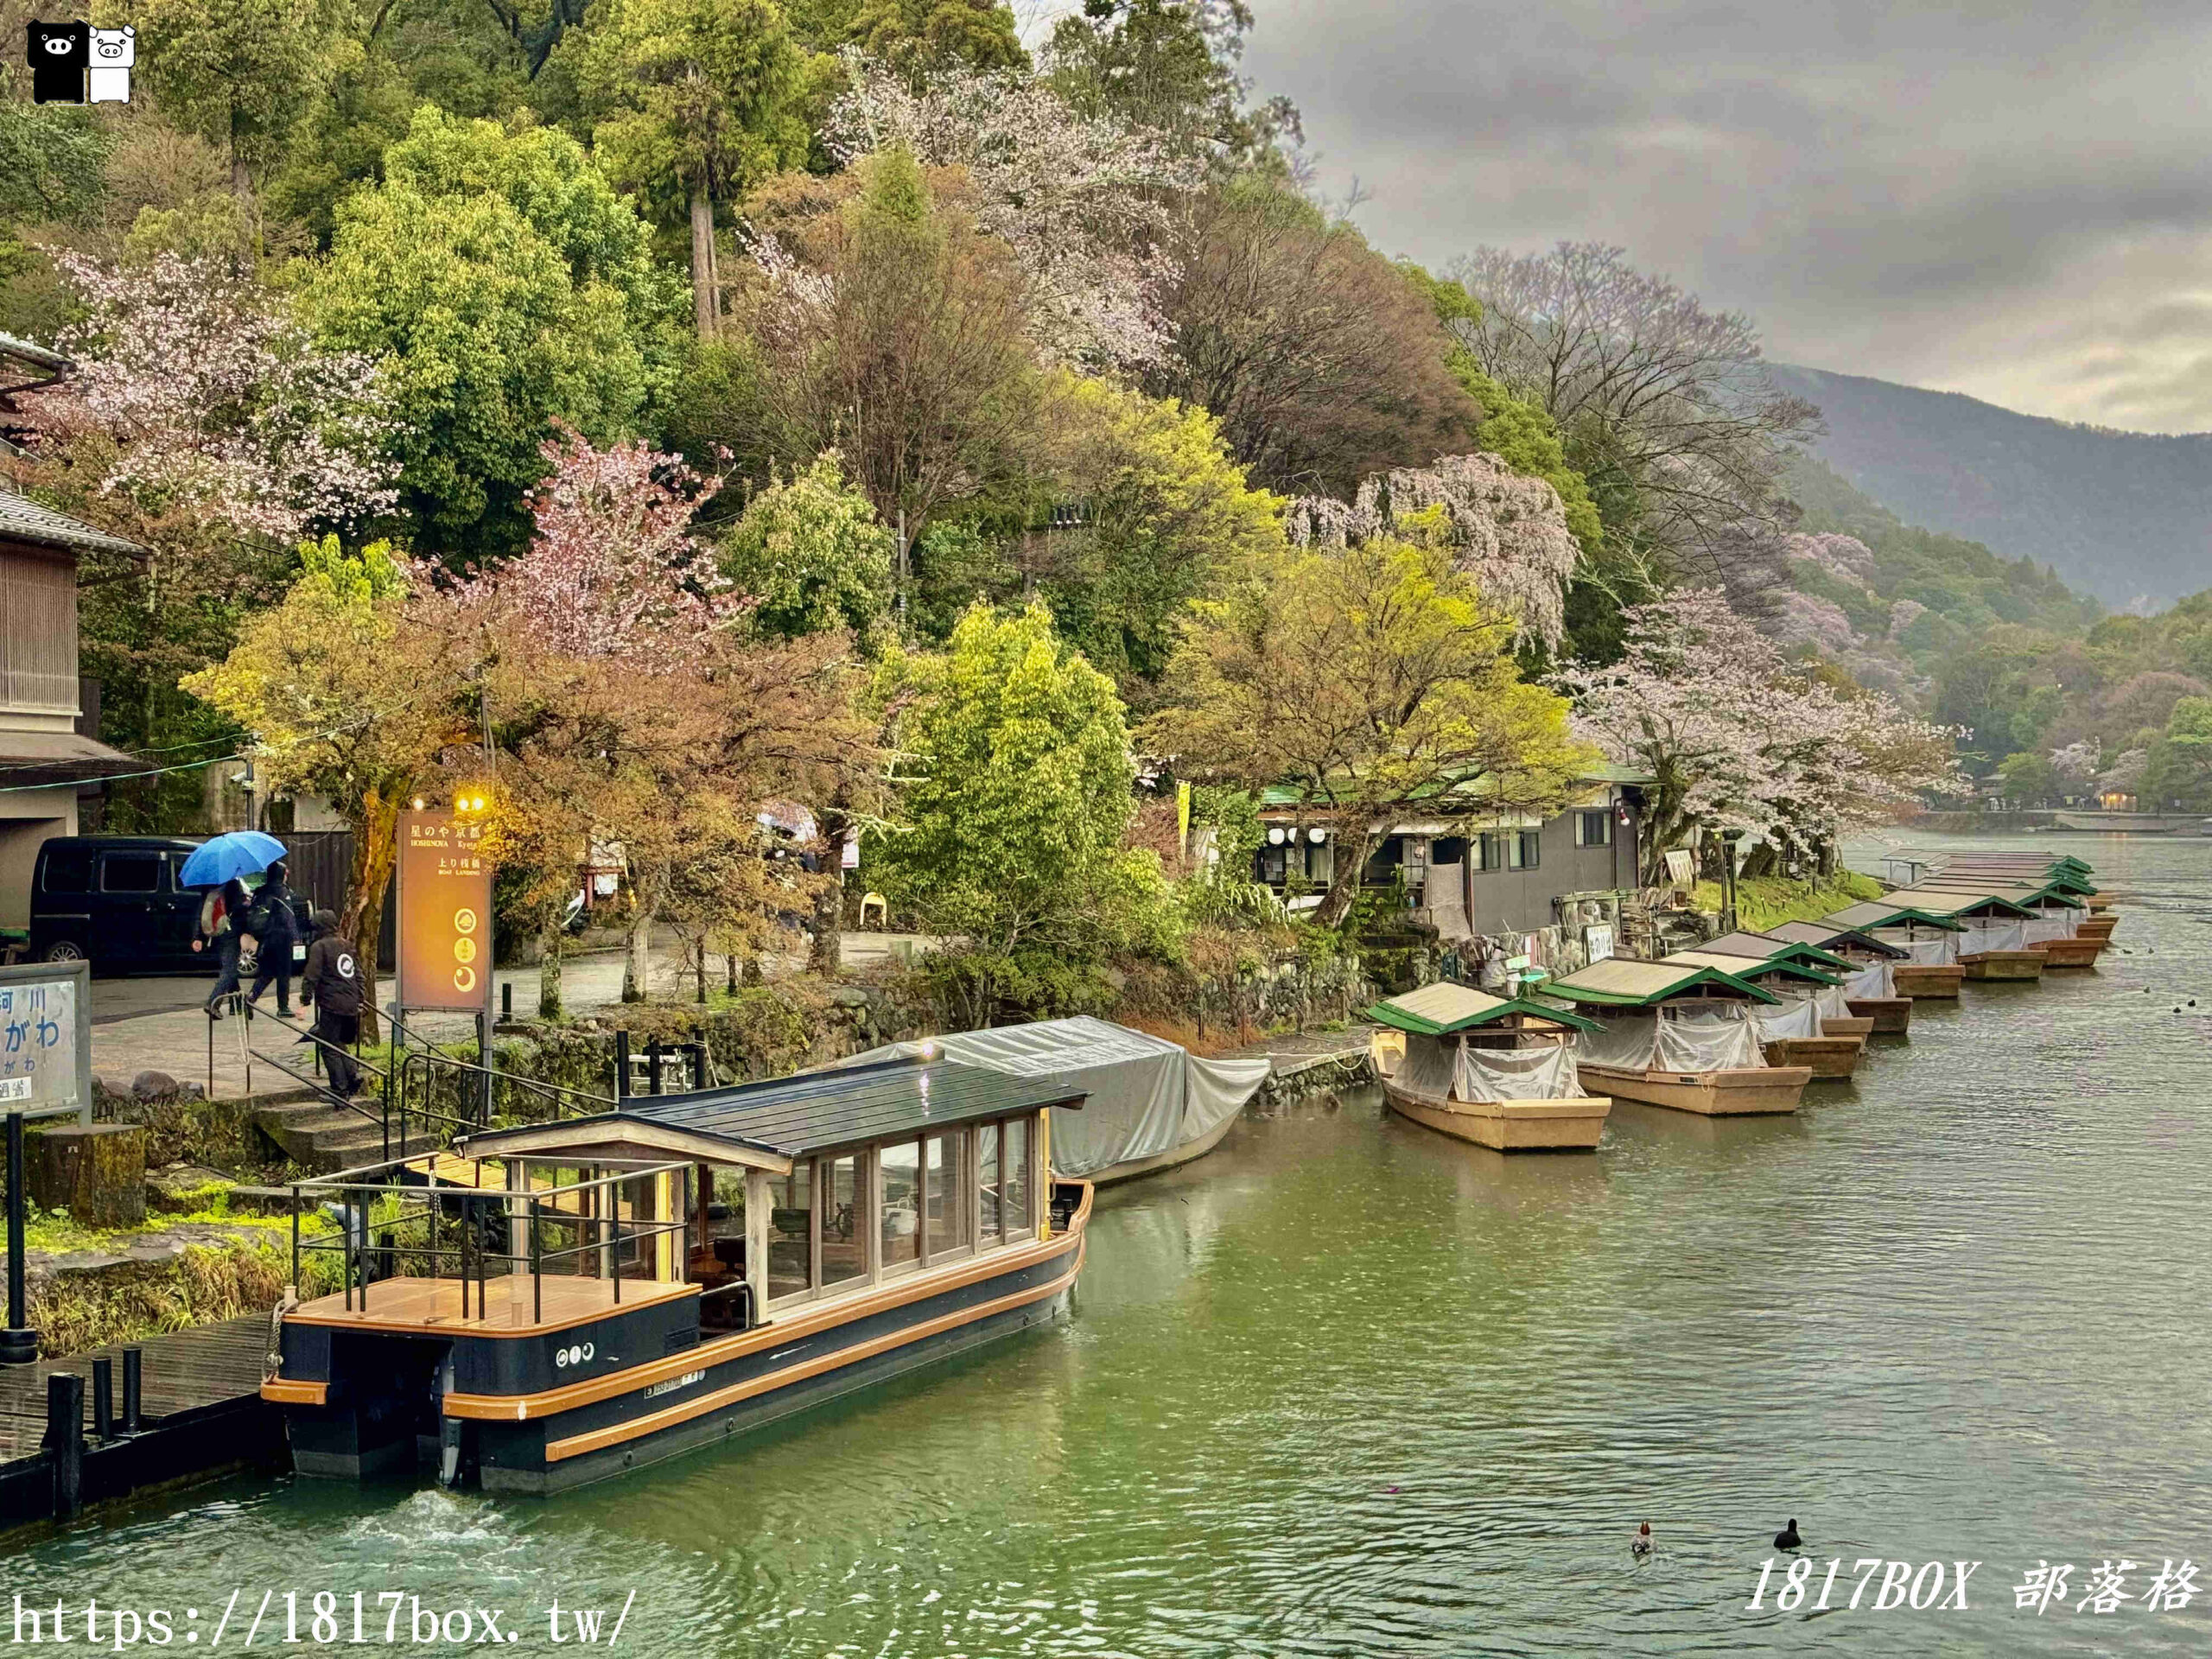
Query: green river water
x,y
1346,1387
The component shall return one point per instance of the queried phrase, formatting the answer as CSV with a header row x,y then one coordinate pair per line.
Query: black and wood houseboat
x,y
565,1301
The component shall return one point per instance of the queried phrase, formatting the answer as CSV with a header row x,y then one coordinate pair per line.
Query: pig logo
x,y
60,53
114,50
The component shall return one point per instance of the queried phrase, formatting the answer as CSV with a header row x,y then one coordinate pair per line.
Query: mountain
x,y
2126,516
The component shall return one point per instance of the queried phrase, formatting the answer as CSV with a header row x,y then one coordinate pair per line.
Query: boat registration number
x,y
673,1384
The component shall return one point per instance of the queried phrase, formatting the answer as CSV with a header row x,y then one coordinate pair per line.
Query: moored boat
x,y
624,1287
1795,1031
1678,1035
1995,943
1499,1071
1871,991
1931,942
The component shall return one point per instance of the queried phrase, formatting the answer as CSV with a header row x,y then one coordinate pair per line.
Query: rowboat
x,y
617,1290
1677,1034
1498,1071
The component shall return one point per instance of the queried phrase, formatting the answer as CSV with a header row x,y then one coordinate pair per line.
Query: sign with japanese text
x,y
445,914
1598,939
43,1045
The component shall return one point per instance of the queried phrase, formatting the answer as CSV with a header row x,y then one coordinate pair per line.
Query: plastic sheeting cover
x,y
1546,1072
2046,928
1629,1040
1993,935
1833,1001
1935,952
1872,980
1146,1095
1800,1017
1708,1042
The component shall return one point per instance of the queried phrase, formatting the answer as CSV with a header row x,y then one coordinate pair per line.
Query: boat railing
x,y
402,1211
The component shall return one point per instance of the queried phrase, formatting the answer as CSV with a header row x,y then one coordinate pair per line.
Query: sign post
x,y
46,1071
445,922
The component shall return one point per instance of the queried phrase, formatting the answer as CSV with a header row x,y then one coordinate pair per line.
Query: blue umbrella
x,y
240,853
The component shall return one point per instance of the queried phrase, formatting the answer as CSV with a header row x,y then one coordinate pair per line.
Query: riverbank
x,y
1769,900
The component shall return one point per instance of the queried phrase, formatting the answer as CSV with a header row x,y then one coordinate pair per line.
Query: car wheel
x,y
66,951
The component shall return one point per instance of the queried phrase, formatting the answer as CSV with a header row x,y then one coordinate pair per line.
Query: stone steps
x,y
313,1132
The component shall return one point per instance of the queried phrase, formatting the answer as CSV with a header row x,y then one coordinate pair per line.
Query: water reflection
x,y
1349,1387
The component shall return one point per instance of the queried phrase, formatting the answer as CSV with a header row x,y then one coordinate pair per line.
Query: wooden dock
x,y
200,1410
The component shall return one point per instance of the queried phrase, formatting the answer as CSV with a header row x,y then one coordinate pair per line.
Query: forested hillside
x,y
2124,516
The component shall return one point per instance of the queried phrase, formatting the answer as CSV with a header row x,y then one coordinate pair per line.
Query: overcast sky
x,y
2012,200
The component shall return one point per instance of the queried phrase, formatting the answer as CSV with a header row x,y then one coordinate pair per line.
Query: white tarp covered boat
x,y
1151,1105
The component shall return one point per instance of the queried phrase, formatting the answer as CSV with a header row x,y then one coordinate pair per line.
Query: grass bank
x,y
1769,900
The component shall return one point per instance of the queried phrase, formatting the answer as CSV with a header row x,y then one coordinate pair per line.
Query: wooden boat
x,y
1965,905
1665,990
1829,1056
1933,980
625,1287
2095,927
1889,1015
1437,1078
2076,952
1860,1026
2003,964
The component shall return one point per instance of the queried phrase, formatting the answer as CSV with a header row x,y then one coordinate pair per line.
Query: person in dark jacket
x,y
277,926
331,981
222,930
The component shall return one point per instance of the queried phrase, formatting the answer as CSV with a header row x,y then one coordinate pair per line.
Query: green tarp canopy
x,y
1752,968
1887,913
1441,1009
1623,983
1768,946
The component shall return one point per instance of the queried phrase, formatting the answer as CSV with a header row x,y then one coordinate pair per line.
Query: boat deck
x,y
434,1305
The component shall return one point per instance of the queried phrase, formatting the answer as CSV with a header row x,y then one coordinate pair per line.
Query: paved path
x,y
150,1023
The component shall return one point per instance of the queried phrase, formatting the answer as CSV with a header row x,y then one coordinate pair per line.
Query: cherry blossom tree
x,y
195,390
1086,202
1735,737
1508,531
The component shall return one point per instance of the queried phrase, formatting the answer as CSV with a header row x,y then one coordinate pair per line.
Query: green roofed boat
x,y
1797,1033
1930,941
1499,1071
1678,1035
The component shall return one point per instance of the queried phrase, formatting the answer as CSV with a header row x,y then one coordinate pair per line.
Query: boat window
x,y
791,1232
902,1195
844,1221
947,1210
1016,1154
987,1175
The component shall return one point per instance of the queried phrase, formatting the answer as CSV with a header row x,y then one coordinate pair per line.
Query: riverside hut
x,y
1677,1034
1499,1071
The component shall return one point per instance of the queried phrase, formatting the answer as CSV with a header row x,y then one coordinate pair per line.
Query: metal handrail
x,y
251,1013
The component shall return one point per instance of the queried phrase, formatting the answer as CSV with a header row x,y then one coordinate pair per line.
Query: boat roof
x,y
1830,938
2019,892
773,1124
1962,901
1755,968
2055,875
1768,945
1884,913
1438,1010
1626,982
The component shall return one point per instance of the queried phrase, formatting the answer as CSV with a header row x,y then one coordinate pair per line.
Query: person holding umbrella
x,y
218,864
275,925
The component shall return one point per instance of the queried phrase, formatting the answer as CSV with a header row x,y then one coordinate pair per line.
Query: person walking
x,y
330,982
222,930
275,925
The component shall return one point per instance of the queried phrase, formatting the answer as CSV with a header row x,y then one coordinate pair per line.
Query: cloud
x,y
2008,199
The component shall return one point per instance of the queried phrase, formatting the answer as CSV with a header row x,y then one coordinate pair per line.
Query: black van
x,y
115,901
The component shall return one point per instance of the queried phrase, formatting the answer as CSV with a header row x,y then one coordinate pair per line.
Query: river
x,y
1348,1388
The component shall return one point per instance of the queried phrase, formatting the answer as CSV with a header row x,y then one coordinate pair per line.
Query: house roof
x,y
1624,981
1754,968
37,356
23,519
1884,913
1834,939
34,758
1601,772
1441,1009
789,1118
1770,944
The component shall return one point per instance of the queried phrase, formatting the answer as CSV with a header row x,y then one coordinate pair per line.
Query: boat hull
x,y
1571,1125
2071,953
1927,979
1742,1092
1855,1025
1828,1059
2095,927
541,1408
1889,1015
2003,964
1129,1169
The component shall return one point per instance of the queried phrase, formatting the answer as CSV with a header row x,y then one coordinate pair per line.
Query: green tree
x,y
1171,66
1166,514
691,100
1366,677
239,72
507,287
1018,774
914,34
2029,777
813,555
